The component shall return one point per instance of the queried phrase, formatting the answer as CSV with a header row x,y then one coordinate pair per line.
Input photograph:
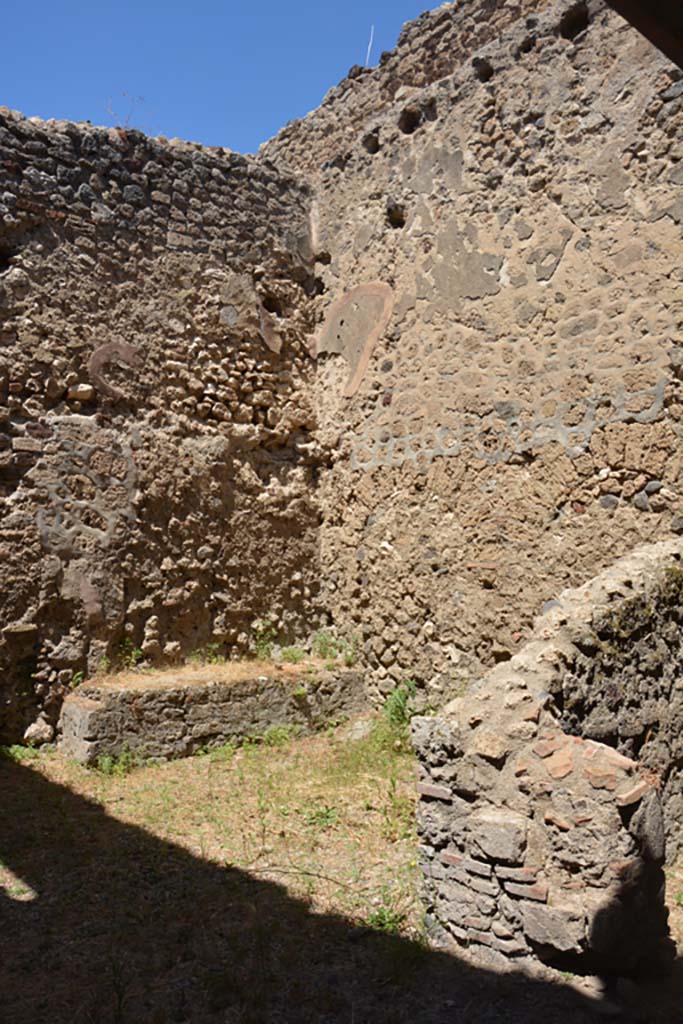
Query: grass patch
x,y
293,655
321,816
280,735
118,765
17,752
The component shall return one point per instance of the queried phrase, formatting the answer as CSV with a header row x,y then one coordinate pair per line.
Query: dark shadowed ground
x,y
128,928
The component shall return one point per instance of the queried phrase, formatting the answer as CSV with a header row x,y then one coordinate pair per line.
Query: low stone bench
x,y
175,713
552,792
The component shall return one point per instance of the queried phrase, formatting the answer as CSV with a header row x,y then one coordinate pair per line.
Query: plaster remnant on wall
x,y
91,495
353,324
111,351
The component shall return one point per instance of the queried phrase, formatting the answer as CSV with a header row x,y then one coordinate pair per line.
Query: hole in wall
x,y
323,257
6,255
410,120
338,162
396,214
272,304
371,141
483,70
574,21
527,45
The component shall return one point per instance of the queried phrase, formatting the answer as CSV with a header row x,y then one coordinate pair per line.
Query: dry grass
x,y
190,673
273,883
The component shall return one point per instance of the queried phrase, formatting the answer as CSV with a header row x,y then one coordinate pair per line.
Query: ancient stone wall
x,y
157,466
429,48
502,333
480,240
551,791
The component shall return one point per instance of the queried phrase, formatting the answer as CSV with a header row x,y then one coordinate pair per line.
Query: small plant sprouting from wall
x,y
293,655
397,706
130,656
263,639
330,648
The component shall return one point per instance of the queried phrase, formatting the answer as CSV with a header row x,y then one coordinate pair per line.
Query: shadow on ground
x,y
153,935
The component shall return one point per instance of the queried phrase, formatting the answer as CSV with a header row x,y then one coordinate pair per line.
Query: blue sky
x,y
220,72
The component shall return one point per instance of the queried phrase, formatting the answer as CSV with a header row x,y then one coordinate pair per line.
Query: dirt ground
x,y
273,883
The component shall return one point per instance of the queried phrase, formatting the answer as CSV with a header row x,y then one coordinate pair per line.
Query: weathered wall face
x,y
429,48
514,425
551,791
156,463
489,249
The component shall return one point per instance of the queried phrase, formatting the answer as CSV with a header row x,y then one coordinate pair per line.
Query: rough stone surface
x,y
175,718
157,471
479,239
524,396
576,819
408,373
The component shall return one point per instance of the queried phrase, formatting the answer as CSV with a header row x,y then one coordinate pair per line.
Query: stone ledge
x,y
168,715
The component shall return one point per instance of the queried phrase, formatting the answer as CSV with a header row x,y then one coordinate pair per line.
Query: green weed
x,y
279,735
212,654
329,649
321,816
262,640
398,815
350,652
117,765
293,655
16,752
225,752
130,656
386,918
323,645
397,706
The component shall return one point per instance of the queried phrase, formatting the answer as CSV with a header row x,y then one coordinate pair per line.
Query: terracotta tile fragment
x,y
553,818
601,778
632,795
560,764
528,873
538,891
544,748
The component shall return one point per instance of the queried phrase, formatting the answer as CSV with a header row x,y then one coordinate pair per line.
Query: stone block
x,y
434,792
498,835
562,929
490,745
